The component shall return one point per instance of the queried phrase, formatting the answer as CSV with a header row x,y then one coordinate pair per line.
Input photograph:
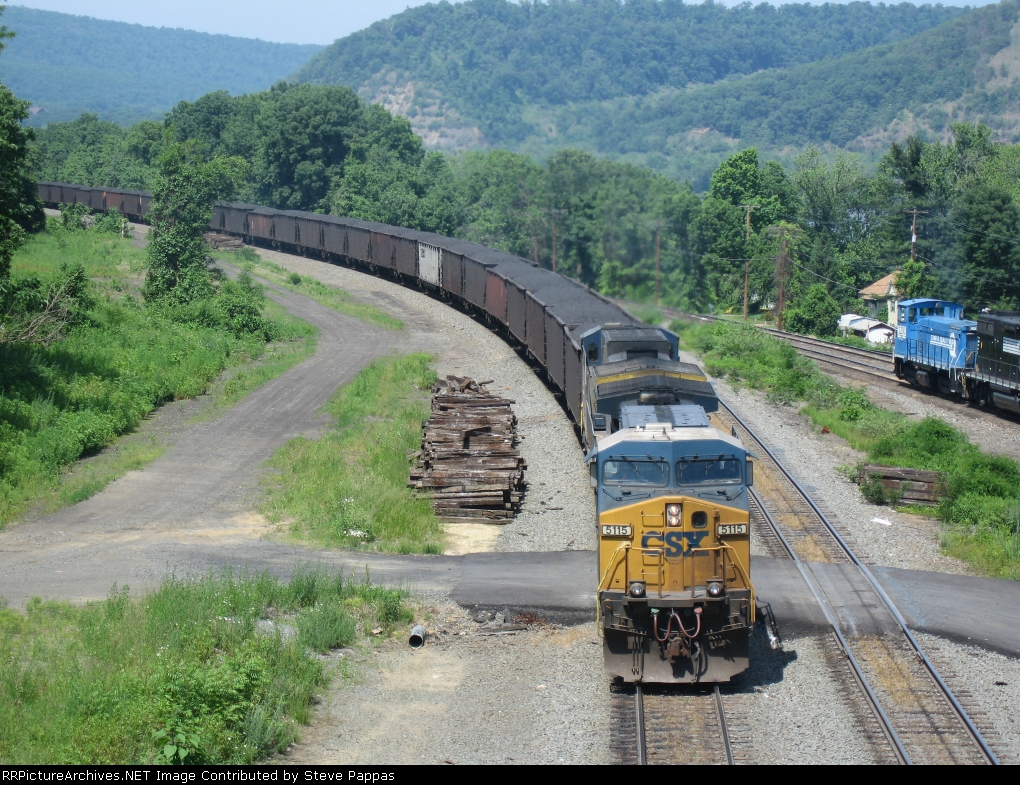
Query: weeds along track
x,y
662,725
846,358
922,721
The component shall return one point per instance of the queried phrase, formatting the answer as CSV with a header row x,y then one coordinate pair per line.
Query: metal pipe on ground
x,y
418,636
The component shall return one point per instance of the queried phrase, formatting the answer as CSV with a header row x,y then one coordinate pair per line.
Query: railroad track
x,y
654,724
919,716
845,358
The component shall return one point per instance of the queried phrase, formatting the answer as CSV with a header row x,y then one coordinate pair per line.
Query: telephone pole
x,y
554,242
747,262
913,230
657,253
782,232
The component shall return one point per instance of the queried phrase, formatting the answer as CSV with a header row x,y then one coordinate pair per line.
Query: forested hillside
x,y
627,230
963,70
66,65
538,76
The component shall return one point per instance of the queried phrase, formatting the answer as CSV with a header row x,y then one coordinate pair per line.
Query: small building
x,y
881,292
864,327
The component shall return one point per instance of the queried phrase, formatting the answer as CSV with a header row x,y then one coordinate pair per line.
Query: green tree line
x,y
623,229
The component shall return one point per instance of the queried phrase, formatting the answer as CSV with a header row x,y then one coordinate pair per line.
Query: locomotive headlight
x,y
673,509
636,589
715,589
672,520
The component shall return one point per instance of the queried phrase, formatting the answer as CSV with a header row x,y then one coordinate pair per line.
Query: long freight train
x,y
675,595
938,349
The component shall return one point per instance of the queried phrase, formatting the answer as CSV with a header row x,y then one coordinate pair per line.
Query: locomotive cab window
x,y
593,353
912,315
901,316
724,471
626,472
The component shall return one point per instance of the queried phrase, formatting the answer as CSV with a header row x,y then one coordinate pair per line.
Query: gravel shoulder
x,y
995,433
468,696
902,540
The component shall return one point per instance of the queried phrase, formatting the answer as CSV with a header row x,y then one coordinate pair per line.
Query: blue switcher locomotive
x,y
939,349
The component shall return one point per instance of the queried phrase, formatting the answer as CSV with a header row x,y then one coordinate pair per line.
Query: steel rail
x,y
639,732
810,339
846,362
886,600
858,673
722,726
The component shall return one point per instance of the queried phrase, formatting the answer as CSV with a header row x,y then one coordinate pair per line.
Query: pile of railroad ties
x,y
468,463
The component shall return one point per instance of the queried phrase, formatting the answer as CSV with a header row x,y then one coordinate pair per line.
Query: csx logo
x,y
673,542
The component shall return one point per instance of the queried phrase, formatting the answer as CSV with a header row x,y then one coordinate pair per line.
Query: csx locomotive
x,y
675,596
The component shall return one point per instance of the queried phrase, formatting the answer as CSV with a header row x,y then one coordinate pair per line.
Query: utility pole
x,y
657,253
782,232
913,230
747,262
554,242
782,279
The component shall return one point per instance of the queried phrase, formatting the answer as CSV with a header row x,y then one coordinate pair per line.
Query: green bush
x,y
326,627
184,675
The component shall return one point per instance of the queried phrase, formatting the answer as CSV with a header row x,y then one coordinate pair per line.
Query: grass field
x,y
980,511
118,362
349,487
211,670
330,296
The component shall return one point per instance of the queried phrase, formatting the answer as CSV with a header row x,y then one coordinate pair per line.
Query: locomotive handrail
x,y
725,546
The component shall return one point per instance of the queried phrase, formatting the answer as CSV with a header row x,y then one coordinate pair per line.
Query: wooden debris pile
x,y
468,463
223,242
912,486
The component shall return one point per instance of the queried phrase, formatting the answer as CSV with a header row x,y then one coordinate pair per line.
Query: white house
x,y
869,329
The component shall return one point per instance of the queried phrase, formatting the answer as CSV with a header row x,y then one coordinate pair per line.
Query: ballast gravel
x,y
819,462
987,684
559,506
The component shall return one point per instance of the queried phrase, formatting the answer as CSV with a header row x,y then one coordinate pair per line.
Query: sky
x,y
290,21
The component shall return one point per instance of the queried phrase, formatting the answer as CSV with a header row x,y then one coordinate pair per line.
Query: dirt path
x,y
200,494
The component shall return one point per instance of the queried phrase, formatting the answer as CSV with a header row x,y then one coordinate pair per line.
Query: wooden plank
x,y
468,464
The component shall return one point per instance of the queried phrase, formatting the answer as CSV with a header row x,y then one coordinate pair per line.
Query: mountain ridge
x,y
62,64
832,101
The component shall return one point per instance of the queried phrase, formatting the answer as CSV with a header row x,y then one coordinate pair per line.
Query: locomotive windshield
x,y
628,472
724,471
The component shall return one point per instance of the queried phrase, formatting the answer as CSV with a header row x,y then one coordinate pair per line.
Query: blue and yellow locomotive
x,y
675,597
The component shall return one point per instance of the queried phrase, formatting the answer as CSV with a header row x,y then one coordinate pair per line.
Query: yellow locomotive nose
x,y
675,599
